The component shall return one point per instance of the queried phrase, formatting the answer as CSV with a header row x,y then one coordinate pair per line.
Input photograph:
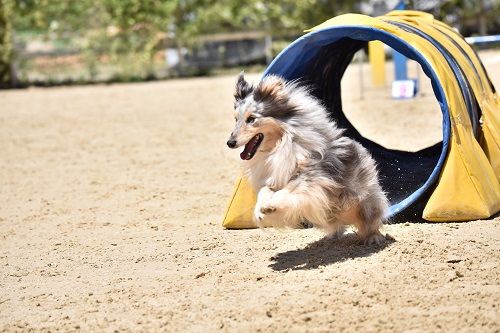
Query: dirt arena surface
x,y
111,201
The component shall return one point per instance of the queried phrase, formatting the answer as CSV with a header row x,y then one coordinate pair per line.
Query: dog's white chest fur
x,y
276,168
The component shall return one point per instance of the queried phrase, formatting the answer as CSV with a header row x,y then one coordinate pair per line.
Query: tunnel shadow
x,y
325,252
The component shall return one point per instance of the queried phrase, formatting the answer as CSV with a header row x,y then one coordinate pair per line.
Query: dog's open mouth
x,y
251,147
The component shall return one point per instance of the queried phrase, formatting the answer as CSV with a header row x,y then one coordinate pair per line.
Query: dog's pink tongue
x,y
245,154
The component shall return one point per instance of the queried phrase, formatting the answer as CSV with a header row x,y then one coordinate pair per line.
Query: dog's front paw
x,y
267,210
258,216
261,212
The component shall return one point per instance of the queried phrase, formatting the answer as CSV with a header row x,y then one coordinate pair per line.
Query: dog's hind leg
x,y
372,212
335,230
367,226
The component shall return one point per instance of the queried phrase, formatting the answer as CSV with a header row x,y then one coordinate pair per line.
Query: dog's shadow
x,y
324,252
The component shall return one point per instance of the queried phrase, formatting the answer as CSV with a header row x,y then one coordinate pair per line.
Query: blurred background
x,y
52,42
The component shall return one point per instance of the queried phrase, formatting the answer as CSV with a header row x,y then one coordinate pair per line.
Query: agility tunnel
x,y
454,180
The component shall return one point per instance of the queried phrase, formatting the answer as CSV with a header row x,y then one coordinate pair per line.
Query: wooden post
x,y
377,61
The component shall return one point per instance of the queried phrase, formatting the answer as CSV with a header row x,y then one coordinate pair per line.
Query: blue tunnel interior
x,y
319,59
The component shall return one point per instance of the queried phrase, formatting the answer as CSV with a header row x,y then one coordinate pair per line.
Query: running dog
x,y
301,165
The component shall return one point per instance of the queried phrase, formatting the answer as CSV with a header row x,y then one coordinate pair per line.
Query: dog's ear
x,y
271,89
243,88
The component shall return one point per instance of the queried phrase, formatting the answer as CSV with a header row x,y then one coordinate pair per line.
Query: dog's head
x,y
259,114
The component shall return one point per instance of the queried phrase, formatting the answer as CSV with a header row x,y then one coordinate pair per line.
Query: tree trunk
x,y
482,25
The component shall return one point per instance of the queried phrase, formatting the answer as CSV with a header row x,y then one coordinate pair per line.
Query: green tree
x,y
470,16
7,75
197,17
41,14
124,32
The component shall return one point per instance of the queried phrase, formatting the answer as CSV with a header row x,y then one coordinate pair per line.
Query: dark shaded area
x,y
226,53
325,251
401,172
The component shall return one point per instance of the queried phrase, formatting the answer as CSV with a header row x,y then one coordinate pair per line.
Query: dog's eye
x,y
250,119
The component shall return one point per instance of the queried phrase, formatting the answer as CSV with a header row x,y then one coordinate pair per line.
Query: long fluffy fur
x,y
305,169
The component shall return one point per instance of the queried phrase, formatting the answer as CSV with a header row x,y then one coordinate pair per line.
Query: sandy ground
x,y
111,201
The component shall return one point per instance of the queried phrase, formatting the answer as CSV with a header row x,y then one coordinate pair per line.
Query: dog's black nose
x,y
231,143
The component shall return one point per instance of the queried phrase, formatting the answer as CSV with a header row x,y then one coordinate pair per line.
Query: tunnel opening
x,y
320,59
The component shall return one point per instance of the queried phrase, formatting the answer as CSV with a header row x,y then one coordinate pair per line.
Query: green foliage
x,y
6,47
126,35
62,15
196,17
123,33
482,14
